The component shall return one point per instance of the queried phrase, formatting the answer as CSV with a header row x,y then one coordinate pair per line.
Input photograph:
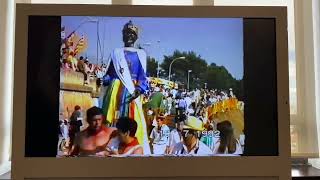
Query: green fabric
x,y
156,101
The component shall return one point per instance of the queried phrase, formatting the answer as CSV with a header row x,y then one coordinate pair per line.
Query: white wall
x,y
6,44
316,42
305,63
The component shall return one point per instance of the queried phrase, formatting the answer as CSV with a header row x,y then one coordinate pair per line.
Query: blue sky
x,y
218,40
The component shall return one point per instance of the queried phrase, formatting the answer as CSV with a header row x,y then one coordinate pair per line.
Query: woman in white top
x,y
227,143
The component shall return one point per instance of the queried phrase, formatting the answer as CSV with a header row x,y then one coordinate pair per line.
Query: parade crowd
x,y
179,122
136,117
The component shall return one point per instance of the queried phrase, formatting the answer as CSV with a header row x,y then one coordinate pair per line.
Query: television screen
x,y
97,87
113,86
147,86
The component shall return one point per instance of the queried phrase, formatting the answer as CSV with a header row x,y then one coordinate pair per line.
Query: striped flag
x,y
80,45
70,40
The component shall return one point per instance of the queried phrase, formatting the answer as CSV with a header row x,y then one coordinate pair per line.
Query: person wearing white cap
x,y
191,145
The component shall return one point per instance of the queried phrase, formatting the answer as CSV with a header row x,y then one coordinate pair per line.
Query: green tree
x,y
180,67
152,66
216,77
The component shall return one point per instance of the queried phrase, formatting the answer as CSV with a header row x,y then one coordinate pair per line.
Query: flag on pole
x,y
80,45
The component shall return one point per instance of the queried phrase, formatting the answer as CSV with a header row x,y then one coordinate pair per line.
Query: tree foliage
x,y
216,77
152,66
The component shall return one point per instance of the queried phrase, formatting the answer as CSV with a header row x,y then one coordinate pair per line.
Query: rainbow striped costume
x,y
126,73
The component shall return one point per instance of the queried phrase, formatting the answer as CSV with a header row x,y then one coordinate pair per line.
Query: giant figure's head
x,y
129,34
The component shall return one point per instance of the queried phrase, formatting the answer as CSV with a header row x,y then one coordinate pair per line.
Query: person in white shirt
x,y
224,95
197,96
188,100
166,92
159,136
175,134
64,140
173,92
227,143
169,103
219,98
231,93
213,99
191,145
190,110
64,128
241,140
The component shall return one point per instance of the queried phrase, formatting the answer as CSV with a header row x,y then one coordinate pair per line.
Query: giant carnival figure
x,y
126,82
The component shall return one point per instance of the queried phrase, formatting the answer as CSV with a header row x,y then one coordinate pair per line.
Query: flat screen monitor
x,y
122,85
